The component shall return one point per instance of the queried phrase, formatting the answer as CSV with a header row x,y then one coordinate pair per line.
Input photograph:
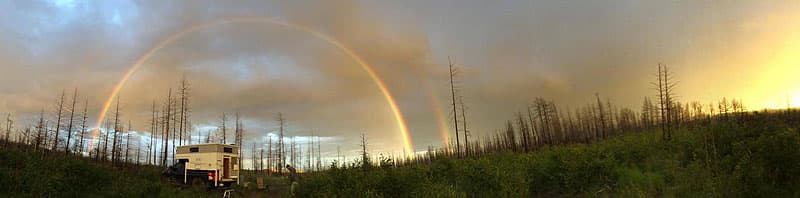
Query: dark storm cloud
x,y
256,69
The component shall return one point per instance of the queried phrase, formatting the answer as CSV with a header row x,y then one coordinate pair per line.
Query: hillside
x,y
34,174
754,155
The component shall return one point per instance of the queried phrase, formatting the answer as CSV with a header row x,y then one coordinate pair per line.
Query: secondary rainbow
x,y
444,129
361,62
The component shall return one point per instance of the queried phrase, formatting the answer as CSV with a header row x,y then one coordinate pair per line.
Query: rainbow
x,y
176,36
444,129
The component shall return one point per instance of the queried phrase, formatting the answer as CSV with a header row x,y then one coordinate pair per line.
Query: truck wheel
x,y
196,181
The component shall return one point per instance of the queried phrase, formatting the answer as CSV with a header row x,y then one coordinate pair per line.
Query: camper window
x,y
228,150
194,150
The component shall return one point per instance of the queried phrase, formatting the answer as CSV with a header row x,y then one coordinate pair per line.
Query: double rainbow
x,y
401,123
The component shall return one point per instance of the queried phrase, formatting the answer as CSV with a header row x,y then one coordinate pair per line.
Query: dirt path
x,y
272,191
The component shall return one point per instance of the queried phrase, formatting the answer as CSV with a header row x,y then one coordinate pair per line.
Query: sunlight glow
x,y
778,83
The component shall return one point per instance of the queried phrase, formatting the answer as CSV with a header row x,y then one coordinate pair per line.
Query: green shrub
x,y
760,157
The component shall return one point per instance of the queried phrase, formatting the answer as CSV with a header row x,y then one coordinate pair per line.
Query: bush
x,y
753,158
34,174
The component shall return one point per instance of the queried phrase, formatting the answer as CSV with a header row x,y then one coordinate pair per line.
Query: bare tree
x,y
601,119
261,162
510,137
524,132
84,125
533,135
138,150
223,128
127,144
184,108
105,141
455,112
270,161
647,113
59,113
665,87
165,133
464,123
173,126
310,150
9,127
40,131
71,119
208,137
239,133
25,137
116,127
253,157
151,152
292,156
339,155
724,107
281,157
365,162
319,155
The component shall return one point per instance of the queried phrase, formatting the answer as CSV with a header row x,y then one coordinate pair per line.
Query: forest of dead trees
x,y
544,124
65,129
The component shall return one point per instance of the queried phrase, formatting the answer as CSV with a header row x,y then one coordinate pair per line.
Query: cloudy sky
x,y
507,53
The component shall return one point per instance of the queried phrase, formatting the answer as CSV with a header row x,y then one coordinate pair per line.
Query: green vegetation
x,y
753,155
30,174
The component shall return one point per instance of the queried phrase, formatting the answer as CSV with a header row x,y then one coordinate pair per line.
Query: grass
x,y
754,157
757,157
29,174
35,174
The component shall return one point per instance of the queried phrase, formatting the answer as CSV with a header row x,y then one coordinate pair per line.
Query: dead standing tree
x,y
524,131
84,125
128,142
116,127
71,119
184,108
224,128
165,132
239,132
41,132
253,157
365,163
319,155
59,113
601,118
105,142
665,87
9,127
452,75
281,157
464,124
151,152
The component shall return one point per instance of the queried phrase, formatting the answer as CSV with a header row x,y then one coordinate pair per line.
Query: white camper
x,y
213,164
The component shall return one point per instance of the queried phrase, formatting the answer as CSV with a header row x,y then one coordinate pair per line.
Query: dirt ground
x,y
271,191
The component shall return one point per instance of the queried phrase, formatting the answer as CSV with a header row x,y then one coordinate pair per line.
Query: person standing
x,y
293,177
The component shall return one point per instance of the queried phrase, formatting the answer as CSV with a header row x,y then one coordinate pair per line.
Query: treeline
x,y
752,154
65,129
665,148
543,123
272,155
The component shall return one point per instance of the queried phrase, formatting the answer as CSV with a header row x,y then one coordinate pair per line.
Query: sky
x,y
506,53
